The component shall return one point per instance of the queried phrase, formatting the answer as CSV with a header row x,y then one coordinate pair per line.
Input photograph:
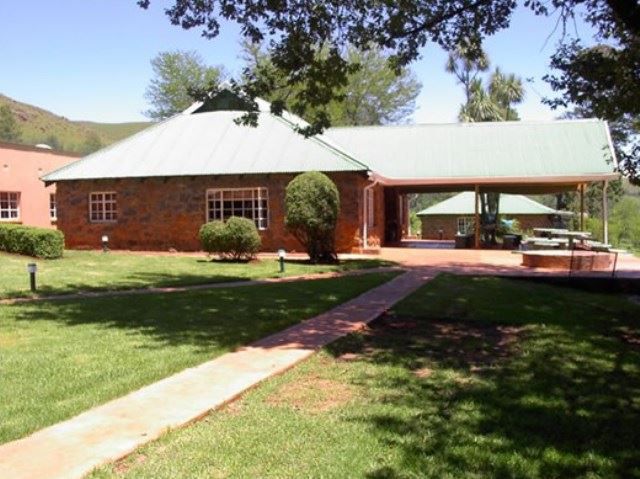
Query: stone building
x,y
154,190
455,215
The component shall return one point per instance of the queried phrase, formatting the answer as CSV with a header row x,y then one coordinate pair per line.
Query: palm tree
x,y
495,102
467,62
506,91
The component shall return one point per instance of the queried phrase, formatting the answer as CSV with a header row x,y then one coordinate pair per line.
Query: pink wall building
x,y
24,198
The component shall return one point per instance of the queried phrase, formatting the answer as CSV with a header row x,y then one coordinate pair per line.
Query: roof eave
x,y
502,180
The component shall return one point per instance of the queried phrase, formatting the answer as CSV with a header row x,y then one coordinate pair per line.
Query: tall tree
x,y
176,75
295,30
9,129
603,80
374,94
495,102
466,66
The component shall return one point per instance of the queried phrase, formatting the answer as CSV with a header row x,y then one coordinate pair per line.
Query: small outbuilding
x,y
455,215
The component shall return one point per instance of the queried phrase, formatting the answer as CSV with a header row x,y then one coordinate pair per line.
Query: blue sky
x,y
89,59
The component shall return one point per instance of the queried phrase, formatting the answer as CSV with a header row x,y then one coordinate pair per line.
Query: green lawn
x,y
60,358
90,270
468,377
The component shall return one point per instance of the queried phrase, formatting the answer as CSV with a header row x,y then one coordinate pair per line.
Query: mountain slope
x,y
41,126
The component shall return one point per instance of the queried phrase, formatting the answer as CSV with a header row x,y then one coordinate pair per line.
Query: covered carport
x,y
501,157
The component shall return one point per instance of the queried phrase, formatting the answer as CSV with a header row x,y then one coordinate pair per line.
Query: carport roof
x,y
492,152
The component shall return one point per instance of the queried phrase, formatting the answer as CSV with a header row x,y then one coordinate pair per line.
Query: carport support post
x,y
477,218
582,207
605,213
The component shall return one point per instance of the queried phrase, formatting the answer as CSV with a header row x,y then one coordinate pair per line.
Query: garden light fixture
x,y
105,243
282,254
32,268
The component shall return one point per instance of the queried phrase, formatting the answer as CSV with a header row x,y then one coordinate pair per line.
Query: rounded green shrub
x,y
31,241
236,239
312,205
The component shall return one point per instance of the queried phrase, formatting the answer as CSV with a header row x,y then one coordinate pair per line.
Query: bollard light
x,y
32,268
105,243
282,254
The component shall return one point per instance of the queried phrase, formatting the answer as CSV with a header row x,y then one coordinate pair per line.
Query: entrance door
x,y
392,220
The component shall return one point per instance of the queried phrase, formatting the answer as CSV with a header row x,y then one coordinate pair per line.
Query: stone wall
x,y
165,213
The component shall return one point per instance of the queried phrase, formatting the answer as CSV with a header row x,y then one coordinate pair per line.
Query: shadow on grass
x,y
551,390
226,317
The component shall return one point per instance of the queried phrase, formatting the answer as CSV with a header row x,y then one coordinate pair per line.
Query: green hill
x,y
42,126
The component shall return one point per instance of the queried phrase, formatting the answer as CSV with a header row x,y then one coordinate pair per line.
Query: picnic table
x,y
570,236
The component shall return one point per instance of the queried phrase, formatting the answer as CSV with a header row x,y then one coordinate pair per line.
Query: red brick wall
x,y
164,213
449,224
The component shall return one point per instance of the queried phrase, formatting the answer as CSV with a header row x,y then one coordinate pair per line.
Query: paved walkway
x,y
493,262
106,433
195,287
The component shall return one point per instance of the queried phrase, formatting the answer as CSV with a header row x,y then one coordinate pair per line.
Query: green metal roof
x,y
462,204
482,150
198,142
205,140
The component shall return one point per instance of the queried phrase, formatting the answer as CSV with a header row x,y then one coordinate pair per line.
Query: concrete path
x,y
196,287
106,433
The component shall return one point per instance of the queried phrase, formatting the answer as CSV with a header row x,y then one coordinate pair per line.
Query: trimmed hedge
x,y
237,238
31,241
312,205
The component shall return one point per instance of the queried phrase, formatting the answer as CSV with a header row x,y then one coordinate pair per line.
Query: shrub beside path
x,y
73,448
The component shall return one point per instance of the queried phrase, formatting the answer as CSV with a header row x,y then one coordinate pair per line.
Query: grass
x,y
91,271
468,377
61,358
38,126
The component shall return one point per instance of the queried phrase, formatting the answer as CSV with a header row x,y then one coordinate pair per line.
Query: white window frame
x,y
371,217
53,207
10,197
215,206
467,223
103,201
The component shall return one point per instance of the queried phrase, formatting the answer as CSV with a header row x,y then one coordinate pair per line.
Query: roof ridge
x,y
470,124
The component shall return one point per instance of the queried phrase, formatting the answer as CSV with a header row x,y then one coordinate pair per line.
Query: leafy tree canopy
x,y
374,93
176,75
9,129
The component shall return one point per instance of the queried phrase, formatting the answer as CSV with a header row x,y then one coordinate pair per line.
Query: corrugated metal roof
x,y
463,204
212,143
482,150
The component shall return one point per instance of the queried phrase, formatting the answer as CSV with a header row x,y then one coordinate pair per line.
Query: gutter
x,y
365,224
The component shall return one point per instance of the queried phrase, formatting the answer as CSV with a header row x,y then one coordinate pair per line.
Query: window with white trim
x,y
466,225
53,207
9,205
251,203
103,207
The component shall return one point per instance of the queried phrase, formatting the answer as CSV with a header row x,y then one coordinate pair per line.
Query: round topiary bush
x,y
312,205
213,237
242,238
237,239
